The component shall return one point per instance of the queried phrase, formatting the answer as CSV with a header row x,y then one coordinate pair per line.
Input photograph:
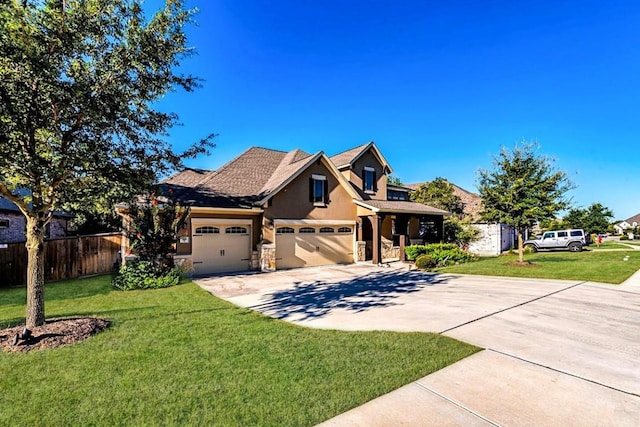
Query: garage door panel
x,y
228,250
313,249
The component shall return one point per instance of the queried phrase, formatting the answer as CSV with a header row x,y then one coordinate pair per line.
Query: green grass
x,y
179,356
608,244
594,266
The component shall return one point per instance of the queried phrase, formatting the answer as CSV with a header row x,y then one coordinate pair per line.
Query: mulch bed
x,y
54,333
522,264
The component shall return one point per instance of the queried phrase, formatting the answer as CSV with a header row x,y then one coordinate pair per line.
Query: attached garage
x,y
312,243
221,245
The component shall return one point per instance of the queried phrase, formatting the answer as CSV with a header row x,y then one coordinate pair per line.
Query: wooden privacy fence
x,y
64,258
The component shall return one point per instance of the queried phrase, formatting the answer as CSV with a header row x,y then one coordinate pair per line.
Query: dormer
x,y
366,169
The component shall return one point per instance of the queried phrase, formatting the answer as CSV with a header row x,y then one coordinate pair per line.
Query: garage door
x,y
312,245
220,247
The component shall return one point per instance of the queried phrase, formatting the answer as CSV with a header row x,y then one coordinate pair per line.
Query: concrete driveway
x,y
557,352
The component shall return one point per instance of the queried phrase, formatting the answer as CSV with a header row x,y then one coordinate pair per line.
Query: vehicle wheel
x,y
575,247
531,248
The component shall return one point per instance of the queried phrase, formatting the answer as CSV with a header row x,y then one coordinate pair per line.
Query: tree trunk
x,y
520,248
35,272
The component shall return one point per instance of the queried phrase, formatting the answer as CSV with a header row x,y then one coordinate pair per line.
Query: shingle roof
x,y
472,201
401,206
290,164
189,177
347,157
7,205
239,183
635,218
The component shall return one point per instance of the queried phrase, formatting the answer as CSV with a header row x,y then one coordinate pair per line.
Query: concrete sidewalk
x,y
557,352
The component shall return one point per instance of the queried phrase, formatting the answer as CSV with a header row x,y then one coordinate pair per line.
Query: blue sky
x,y
439,86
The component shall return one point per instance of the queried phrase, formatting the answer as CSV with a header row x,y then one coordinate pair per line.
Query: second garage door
x,y
313,245
220,246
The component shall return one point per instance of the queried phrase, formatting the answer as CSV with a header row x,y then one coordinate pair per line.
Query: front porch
x,y
386,227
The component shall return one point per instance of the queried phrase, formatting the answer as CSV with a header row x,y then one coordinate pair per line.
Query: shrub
x,y
414,251
441,253
425,262
137,274
624,237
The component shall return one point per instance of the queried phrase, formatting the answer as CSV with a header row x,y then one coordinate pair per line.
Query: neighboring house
x,y
13,224
622,226
272,209
494,238
472,202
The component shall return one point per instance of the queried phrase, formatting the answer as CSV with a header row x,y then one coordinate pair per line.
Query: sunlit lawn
x,y
180,356
608,244
594,266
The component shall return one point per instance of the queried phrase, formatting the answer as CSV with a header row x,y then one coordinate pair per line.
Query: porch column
x,y
376,244
402,243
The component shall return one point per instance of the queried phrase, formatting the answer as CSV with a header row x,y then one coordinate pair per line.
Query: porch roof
x,y
394,206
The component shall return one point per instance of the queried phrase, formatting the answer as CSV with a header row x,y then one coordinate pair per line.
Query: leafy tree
x,y
460,231
553,224
522,189
78,84
439,194
394,180
594,219
152,225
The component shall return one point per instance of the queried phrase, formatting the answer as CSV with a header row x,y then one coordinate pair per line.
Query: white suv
x,y
572,240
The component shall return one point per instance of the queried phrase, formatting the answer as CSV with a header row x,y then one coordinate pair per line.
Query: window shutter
x,y
364,179
326,191
375,181
311,190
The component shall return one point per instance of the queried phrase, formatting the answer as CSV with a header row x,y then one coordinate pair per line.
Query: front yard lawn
x,y
179,356
594,266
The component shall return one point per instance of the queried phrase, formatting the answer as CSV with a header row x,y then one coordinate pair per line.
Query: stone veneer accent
x,y
361,254
267,257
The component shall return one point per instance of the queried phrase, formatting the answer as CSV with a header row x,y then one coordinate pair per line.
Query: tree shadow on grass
x,y
318,298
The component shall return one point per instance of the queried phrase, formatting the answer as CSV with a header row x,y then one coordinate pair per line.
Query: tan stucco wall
x,y
370,160
386,228
292,202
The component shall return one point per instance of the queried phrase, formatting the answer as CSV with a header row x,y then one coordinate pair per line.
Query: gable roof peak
x,y
349,157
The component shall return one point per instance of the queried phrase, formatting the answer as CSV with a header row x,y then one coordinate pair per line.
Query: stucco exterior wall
x,y
292,202
370,160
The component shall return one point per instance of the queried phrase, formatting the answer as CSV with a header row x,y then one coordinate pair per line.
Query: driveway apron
x,y
557,352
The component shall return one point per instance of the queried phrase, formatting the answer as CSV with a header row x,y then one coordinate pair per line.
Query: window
x,y
318,190
284,230
207,230
235,230
369,180
307,230
327,230
4,223
562,234
397,195
549,235
344,230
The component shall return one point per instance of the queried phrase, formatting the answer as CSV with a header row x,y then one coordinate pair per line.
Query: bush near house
x,y
425,262
442,254
152,229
